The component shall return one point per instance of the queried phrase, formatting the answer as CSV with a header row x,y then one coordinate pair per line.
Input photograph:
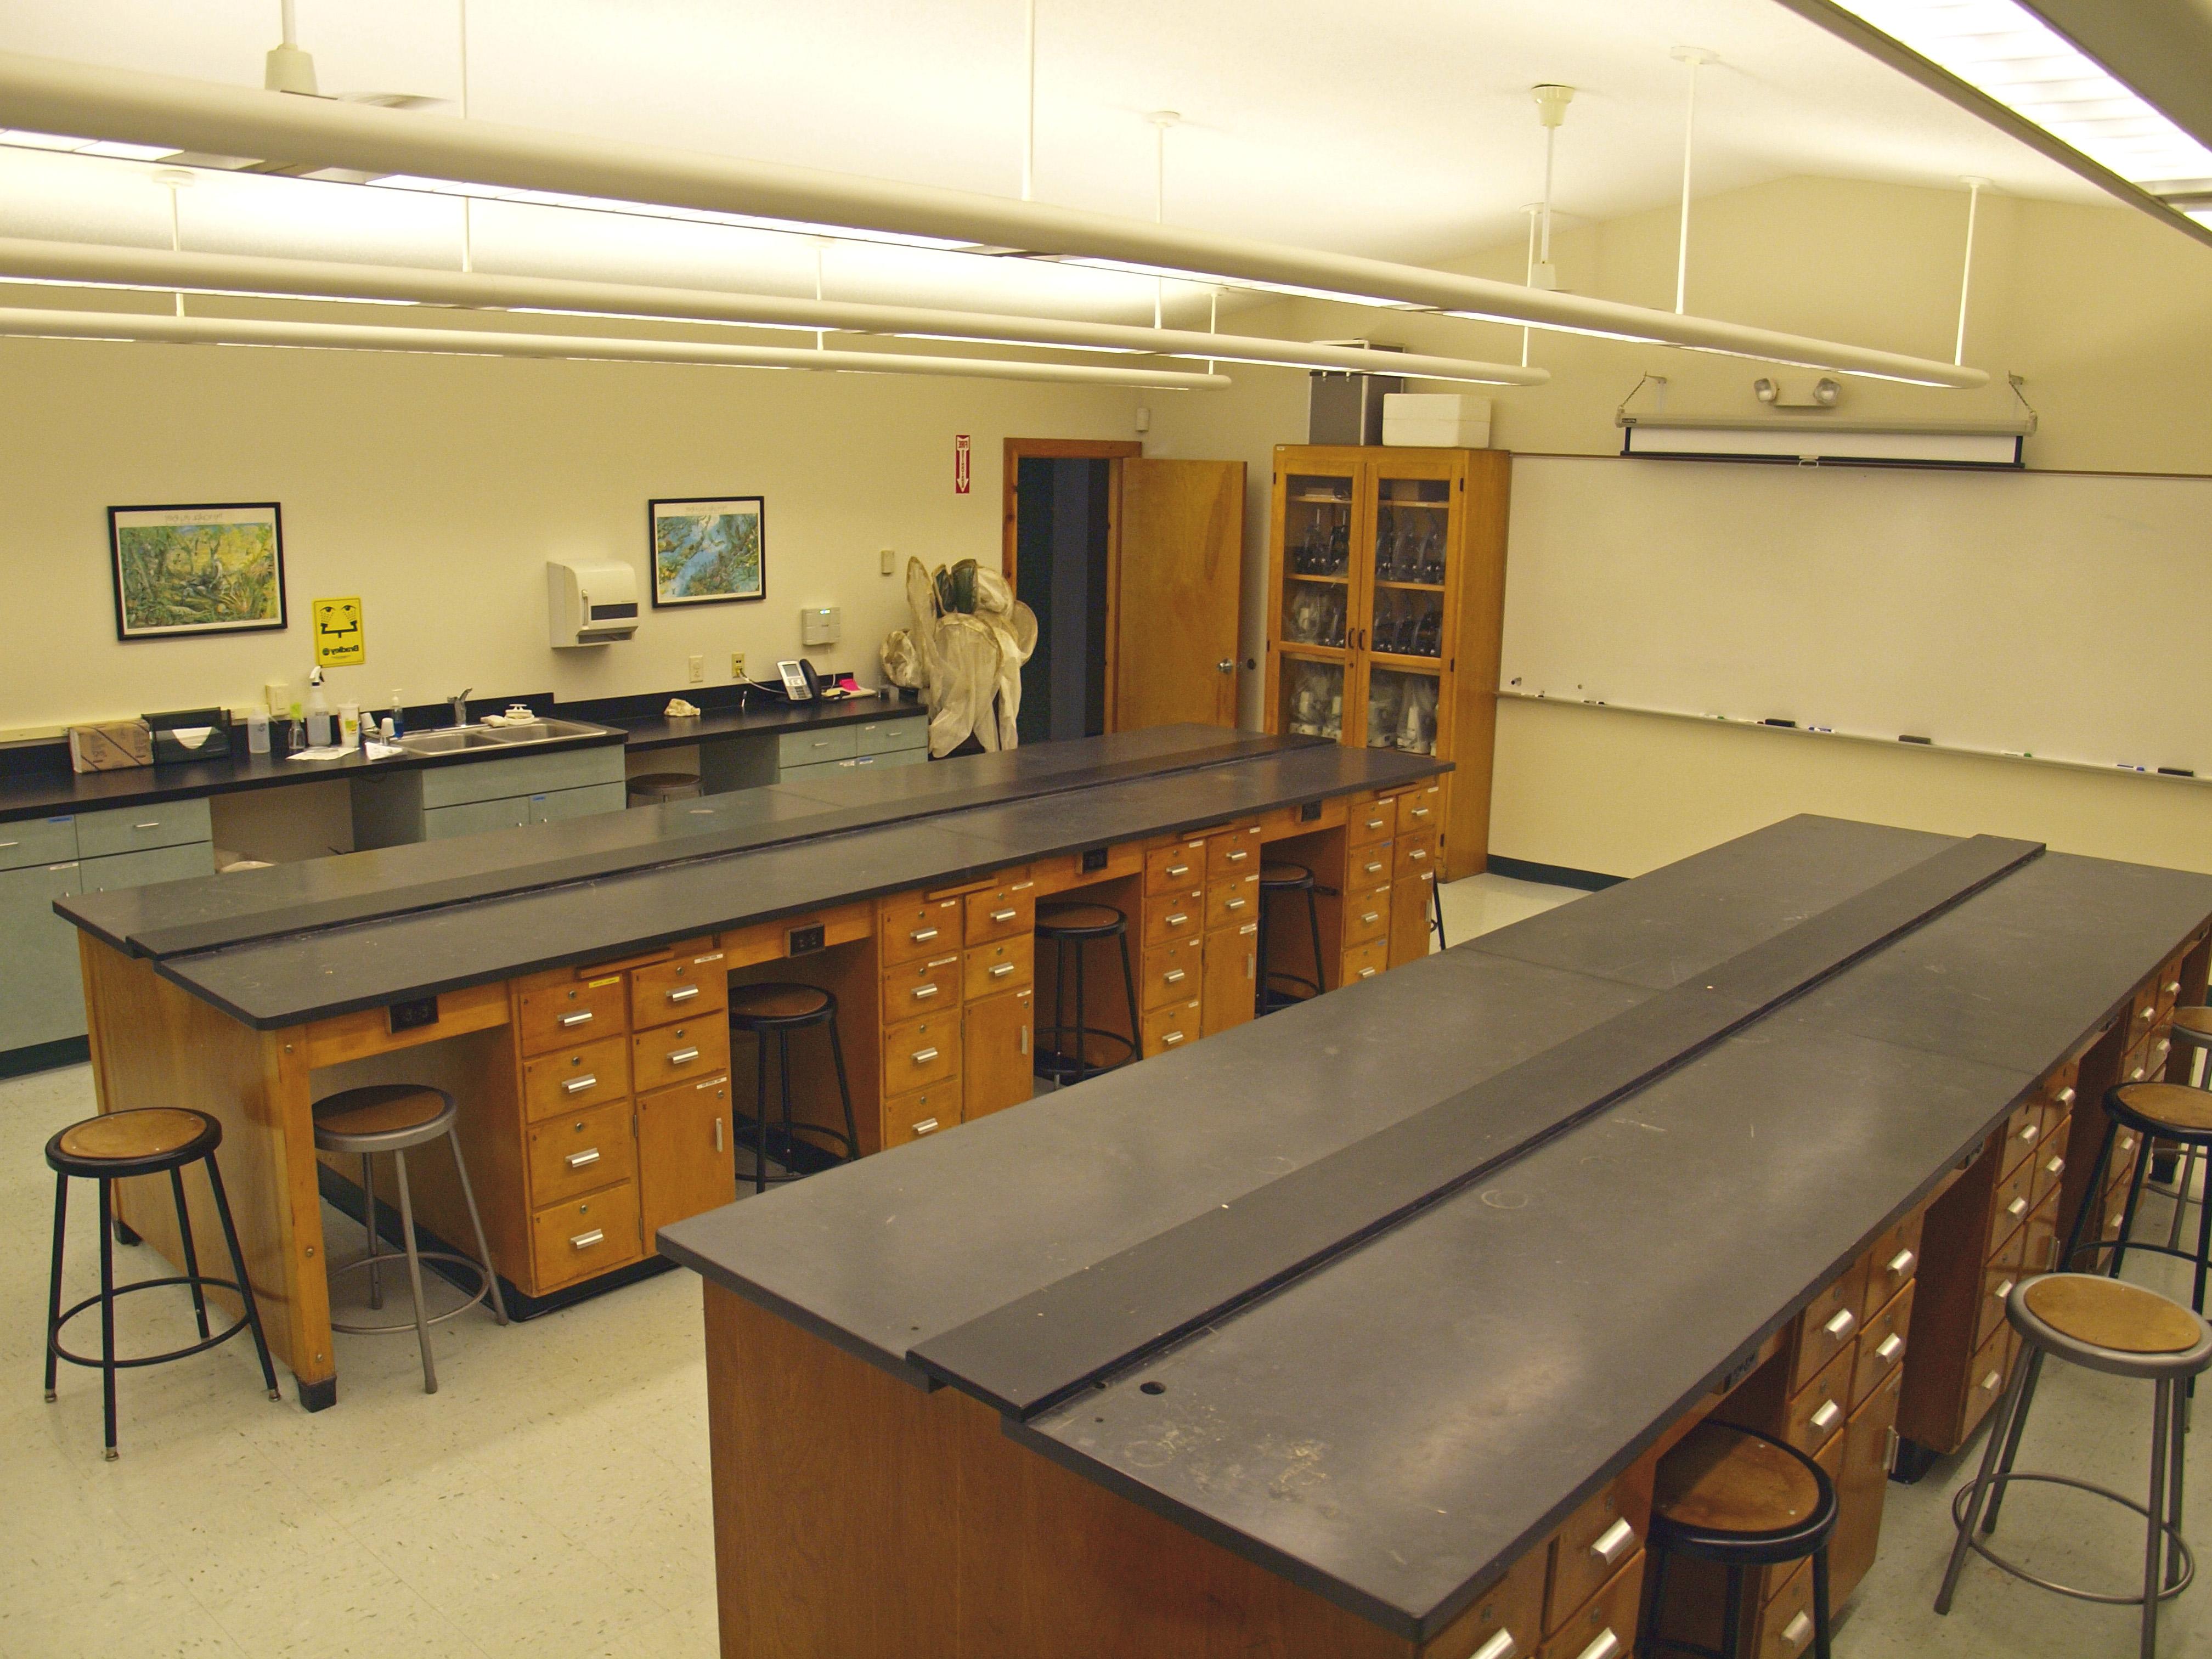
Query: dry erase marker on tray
x,y
1903,738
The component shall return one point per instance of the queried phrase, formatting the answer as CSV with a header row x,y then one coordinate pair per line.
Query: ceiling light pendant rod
x,y
174,180
821,248
1694,57
47,95
1974,188
1029,116
1531,212
107,265
1162,119
155,328
1551,101
1213,319
468,204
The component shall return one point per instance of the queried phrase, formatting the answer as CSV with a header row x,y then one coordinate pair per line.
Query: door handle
x,y
718,1134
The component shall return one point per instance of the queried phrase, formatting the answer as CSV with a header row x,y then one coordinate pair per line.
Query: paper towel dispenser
x,y
591,602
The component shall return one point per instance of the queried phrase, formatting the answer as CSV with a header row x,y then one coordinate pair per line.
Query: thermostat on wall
x,y
818,624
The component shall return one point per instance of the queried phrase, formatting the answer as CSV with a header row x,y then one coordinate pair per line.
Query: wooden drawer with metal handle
x,y
580,1151
570,1012
1232,853
1421,808
1175,915
679,1054
1817,1411
1172,973
2009,1205
2049,1163
572,1079
1598,1540
1234,901
1604,1627
1828,1323
1007,911
1784,1626
1881,1345
2023,1132
911,927
1176,869
1415,855
923,1052
1985,1378
1368,865
1369,822
1364,960
913,989
1173,1027
583,1237
1999,1274
926,1112
1507,1619
689,987
1366,914
1002,965
1892,1263
2057,1104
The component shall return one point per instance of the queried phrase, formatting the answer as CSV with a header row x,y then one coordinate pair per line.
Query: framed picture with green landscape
x,y
181,570
708,550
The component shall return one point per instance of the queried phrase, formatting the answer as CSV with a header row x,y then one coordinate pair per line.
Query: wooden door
x,y
1861,1486
685,1160
1410,899
995,1050
1232,958
1176,595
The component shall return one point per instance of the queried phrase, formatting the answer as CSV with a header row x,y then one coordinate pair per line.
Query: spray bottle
x,y
318,710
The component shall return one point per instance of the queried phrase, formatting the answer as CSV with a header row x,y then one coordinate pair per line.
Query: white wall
x,y
435,489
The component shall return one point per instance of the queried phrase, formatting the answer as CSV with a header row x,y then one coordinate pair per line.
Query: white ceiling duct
x,y
72,263
112,104
166,330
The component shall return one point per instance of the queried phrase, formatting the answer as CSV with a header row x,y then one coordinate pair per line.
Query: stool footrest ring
x,y
482,1291
201,1346
2172,1534
1051,1060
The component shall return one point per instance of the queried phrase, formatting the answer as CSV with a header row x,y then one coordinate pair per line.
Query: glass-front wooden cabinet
x,y
1386,594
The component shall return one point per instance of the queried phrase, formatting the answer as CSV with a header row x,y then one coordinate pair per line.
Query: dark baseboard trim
x,y
44,1056
1552,875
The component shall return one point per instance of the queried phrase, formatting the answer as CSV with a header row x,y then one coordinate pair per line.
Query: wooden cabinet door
x,y
1409,917
1231,960
1176,593
996,1050
685,1160
1861,1488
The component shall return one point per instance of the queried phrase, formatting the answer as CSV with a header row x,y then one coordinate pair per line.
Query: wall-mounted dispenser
x,y
818,624
591,602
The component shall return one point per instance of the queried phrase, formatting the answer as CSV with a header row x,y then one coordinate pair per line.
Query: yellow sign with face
x,y
339,641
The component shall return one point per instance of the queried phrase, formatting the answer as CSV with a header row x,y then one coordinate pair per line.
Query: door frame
x,y
1113,452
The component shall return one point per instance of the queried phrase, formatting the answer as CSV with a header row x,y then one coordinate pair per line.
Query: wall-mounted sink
x,y
453,740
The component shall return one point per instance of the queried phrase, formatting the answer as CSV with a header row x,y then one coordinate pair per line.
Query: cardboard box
x,y
111,746
1436,419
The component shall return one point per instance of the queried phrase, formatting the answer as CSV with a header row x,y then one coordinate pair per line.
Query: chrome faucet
x,y
461,701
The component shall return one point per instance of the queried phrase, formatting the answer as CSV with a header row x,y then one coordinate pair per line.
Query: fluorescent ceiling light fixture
x,y
166,270
2006,51
202,117
67,145
166,329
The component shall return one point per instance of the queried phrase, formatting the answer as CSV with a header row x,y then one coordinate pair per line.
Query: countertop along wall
x,y
436,488
2106,314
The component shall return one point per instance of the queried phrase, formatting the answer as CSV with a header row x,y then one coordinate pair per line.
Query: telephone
x,y
800,682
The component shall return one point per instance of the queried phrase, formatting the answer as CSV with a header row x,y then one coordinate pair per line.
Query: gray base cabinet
x,y
433,803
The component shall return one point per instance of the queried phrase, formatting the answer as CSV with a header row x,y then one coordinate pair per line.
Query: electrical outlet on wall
x,y
698,670
737,665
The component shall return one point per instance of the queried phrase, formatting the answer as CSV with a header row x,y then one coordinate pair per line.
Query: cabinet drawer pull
x,y
922,935
1500,1646
1607,1646
925,1125
1367,973
1901,1263
923,1056
1002,970
1178,869
683,994
1370,915
584,1159
1374,824
585,1241
1826,1417
1614,1542
152,824
1171,1039
923,992
718,1134
2173,988
2065,1097
1797,1629
582,1016
1891,1345
2029,1131
2001,1291
683,1056
1372,868
1174,976
2017,1207
4,845
1840,1326
1990,1383
1418,812
2056,1166
1177,920
1417,854
576,1085
1237,857
1003,916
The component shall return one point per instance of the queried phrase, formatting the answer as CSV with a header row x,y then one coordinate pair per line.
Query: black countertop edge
x,y
42,792
177,969
1431,1623
313,915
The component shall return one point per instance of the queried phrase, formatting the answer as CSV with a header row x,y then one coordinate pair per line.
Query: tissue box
x,y
1436,419
110,746
189,734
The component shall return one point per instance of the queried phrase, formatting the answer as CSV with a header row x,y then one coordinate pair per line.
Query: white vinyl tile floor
x,y
552,1498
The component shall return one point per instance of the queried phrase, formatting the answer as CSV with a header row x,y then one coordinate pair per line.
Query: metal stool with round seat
x,y
653,788
1741,1500
153,1140
2121,1329
2170,1111
2192,1035
1063,1051
1277,883
777,1010
396,1118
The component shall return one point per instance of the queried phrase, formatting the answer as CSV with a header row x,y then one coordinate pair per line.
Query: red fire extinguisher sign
x,y
960,475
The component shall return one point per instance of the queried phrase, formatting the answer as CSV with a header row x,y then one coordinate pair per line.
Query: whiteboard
x,y
2063,616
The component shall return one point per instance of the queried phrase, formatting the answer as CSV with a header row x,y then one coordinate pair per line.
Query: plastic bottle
x,y
256,731
319,711
350,725
395,723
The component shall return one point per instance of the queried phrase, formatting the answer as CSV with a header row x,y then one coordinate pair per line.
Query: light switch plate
x,y
698,670
888,557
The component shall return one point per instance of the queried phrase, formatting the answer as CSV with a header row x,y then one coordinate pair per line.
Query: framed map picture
x,y
216,569
707,551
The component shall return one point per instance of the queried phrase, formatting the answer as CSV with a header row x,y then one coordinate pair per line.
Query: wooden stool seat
x,y
1720,1480
2197,1022
1070,920
2168,1106
1284,876
2110,1313
755,1005
381,1109
151,1133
